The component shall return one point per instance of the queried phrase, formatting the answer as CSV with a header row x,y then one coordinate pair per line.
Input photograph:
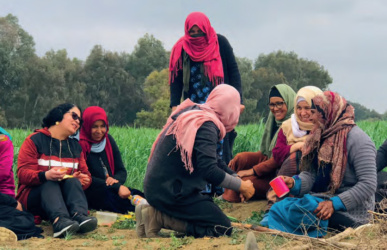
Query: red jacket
x,y
38,153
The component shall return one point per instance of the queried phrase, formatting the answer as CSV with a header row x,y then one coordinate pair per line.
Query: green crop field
x,y
135,144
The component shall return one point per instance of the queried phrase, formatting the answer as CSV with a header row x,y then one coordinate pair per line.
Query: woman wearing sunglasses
x,y
53,173
103,158
260,167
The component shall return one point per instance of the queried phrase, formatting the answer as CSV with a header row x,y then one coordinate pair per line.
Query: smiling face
x,y
195,31
98,130
278,108
71,121
303,111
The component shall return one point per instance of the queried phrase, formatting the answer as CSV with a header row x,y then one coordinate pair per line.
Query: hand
x,y
110,181
289,181
83,178
324,210
124,192
242,108
247,190
174,108
19,206
244,173
54,174
297,146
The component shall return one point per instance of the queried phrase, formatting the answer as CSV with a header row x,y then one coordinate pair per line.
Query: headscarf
x,y
329,137
270,134
200,49
222,108
4,132
89,116
294,129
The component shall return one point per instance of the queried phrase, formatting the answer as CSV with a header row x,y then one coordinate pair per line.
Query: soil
x,y
110,238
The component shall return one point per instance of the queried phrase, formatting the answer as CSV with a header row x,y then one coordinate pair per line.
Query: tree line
x,y
132,87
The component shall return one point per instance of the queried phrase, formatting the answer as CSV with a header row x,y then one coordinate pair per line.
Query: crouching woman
x,y
183,159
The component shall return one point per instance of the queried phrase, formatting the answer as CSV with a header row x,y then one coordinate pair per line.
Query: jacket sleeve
x,y
381,157
84,170
120,173
6,160
232,70
176,89
27,168
281,149
204,154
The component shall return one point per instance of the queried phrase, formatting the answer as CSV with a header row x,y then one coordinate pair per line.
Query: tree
x,y
363,113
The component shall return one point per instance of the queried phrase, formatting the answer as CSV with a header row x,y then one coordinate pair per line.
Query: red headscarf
x,y
222,108
200,49
89,116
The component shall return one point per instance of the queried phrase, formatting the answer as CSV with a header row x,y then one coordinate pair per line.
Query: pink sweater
x,y
7,183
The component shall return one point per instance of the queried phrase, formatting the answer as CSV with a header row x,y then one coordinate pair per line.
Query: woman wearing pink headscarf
x,y
183,159
200,60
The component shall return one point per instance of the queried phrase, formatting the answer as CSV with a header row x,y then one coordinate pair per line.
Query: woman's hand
x,y
289,181
19,206
247,190
54,174
110,181
124,192
83,178
297,146
244,173
324,210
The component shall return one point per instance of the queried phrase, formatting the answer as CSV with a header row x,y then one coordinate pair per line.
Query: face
x,y
314,117
71,121
98,130
278,108
195,31
303,111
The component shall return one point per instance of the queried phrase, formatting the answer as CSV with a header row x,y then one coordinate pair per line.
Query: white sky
x,y
347,37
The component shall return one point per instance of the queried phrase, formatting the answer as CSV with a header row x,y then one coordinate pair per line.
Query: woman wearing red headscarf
x,y
103,159
200,60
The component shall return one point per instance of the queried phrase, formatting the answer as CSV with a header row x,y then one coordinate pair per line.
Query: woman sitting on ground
x,y
182,160
260,167
291,137
103,158
338,179
48,159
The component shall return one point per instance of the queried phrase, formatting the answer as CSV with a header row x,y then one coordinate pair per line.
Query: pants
x,y
55,199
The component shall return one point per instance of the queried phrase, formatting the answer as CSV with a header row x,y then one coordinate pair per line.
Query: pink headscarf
x,y
200,49
222,108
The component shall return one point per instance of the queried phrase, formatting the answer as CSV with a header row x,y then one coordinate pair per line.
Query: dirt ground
x,y
110,238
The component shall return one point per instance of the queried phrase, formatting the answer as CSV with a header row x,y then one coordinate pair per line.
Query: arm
x,y
281,150
84,172
120,173
234,77
27,169
176,89
6,160
381,157
361,162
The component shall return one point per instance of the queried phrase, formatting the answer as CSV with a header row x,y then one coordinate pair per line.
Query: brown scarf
x,y
334,120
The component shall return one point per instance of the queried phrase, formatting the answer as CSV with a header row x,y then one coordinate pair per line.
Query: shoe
x,y
251,242
64,226
86,223
140,227
7,236
154,220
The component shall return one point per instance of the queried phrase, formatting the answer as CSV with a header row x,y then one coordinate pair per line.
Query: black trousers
x,y
55,199
340,222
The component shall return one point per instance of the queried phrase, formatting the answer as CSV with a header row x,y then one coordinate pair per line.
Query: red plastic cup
x,y
279,186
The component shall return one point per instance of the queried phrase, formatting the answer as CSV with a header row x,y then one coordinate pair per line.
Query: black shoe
x,y
86,223
64,226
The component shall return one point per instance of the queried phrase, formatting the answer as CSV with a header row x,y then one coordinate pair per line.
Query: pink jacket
x,y
7,182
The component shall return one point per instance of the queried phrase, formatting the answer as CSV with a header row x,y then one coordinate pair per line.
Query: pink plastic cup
x,y
279,186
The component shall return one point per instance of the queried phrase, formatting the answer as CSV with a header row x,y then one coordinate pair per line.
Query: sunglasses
x,y
75,117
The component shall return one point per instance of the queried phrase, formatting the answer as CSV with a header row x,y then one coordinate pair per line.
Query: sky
x,y
347,37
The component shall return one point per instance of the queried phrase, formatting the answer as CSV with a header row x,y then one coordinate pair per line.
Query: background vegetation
x,y
135,144
132,87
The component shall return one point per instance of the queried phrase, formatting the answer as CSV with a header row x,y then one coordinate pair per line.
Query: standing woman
x,y
46,158
260,167
107,191
201,60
